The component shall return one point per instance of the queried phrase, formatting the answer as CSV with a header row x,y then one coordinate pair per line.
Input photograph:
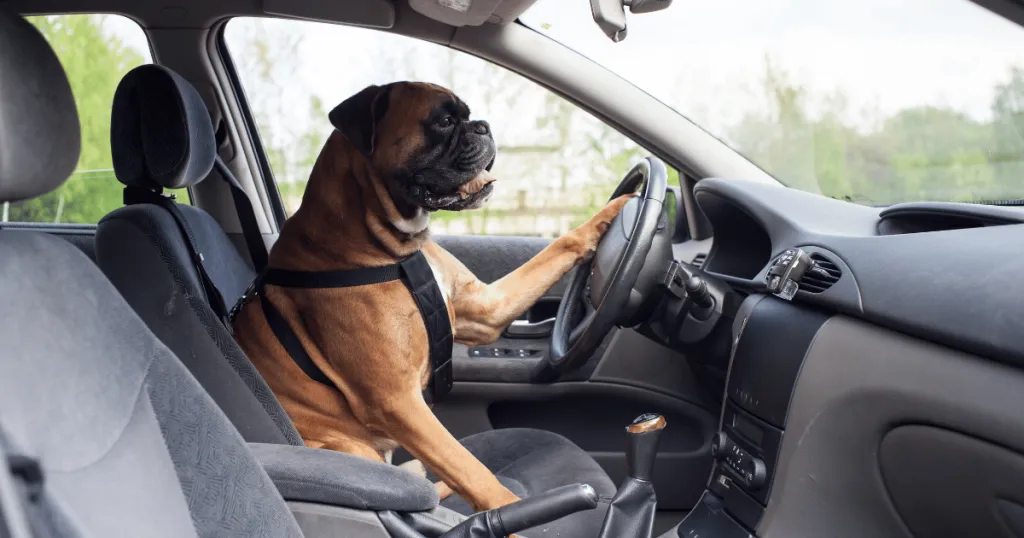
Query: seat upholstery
x,y
144,254
128,442
162,136
528,462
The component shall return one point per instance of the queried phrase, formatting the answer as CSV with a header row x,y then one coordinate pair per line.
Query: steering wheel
x,y
612,288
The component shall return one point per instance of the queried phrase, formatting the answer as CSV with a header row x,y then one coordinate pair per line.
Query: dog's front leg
x,y
408,420
482,311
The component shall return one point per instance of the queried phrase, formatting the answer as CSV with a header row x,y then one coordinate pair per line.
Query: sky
x,y
893,53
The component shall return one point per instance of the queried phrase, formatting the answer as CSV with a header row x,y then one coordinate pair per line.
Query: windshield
x,y
876,101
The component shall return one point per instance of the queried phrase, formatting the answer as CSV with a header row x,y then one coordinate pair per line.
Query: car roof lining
x,y
205,14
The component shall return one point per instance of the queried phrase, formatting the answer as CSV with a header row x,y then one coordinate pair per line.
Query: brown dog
x,y
400,151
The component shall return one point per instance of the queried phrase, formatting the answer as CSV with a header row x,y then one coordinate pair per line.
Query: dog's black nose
x,y
481,127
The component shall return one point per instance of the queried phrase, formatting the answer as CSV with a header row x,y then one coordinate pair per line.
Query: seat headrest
x,y
161,134
40,138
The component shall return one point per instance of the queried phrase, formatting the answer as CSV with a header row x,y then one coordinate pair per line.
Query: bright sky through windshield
x,y
703,56
877,101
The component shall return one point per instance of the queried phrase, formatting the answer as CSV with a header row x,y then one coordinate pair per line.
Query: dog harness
x,y
413,271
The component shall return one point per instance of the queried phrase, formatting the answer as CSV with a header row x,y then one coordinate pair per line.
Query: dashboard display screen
x,y
748,429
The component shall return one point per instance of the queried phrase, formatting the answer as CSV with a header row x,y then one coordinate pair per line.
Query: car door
x,y
556,166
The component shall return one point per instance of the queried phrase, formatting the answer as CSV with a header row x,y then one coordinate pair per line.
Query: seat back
x,y
162,137
127,442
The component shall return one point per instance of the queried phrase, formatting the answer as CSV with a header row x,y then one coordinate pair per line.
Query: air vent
x,y
698,260
821,276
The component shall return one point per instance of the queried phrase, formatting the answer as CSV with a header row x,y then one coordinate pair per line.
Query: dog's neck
x,y
347,218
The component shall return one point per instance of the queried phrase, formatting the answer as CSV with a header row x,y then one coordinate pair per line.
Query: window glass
x,y
96,51
556,164
874,101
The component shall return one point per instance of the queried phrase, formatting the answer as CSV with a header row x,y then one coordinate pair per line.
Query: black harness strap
x,y
364,276
418,278
291,343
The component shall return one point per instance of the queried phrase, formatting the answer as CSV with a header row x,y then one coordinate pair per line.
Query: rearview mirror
x,y
610,15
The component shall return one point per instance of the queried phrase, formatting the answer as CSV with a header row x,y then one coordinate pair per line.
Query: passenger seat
x,y
162,137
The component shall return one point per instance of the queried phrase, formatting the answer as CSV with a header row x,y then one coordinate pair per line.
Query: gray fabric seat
x,y
128,442
143,252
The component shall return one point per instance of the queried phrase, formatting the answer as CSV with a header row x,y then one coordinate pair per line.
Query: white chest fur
x,y
414,225
439,277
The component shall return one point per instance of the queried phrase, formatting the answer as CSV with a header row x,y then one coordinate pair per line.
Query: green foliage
x,y
922,153
94,61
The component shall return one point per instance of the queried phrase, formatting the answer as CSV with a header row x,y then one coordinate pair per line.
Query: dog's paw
x,y
443,490
608,213
497,500
589,234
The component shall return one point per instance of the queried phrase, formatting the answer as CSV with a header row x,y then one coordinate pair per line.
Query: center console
x,y
772,337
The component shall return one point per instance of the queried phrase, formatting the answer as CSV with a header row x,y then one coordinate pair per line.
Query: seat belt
x,y
43,518
246,217
243,207
140,195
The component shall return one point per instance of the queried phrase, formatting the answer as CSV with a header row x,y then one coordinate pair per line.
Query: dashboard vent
x,y
821,276
698,260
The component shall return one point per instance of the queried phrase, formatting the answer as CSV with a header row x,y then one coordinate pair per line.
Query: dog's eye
x,y
447,121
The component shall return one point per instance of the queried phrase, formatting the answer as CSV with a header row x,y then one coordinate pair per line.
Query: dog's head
x,y
420,141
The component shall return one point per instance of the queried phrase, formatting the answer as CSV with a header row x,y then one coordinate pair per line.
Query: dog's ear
x,y
357,116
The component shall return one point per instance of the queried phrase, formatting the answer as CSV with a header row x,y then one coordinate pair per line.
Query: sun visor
x,y
471,12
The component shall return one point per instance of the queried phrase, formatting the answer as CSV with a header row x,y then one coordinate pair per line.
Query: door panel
x,y
492,257
631,375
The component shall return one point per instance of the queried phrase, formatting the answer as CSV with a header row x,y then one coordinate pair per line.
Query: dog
x,y
398,152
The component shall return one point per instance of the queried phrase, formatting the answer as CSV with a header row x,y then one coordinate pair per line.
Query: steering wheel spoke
x,y
583,325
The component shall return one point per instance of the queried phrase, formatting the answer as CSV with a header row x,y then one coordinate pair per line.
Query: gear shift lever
x,y
631,514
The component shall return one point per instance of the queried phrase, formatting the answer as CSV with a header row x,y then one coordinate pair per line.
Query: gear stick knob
x,y
631,512
642,449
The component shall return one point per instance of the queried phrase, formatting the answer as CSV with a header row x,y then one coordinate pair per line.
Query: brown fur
x,y
370,340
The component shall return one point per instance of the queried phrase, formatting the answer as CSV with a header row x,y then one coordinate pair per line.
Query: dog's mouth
x,y
470,195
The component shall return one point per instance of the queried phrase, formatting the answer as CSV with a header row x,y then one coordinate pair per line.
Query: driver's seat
x,y
167,142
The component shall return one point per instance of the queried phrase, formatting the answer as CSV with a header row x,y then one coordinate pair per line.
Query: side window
x,y
96,51
556,164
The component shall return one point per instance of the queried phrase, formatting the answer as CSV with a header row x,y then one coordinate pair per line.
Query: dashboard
x,y
946,272
881,397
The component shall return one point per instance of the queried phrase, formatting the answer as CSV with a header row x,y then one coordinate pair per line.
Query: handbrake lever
x,y
510,519
544,508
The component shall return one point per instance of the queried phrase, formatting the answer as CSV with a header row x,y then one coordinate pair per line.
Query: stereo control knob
x,y
756,474
721,445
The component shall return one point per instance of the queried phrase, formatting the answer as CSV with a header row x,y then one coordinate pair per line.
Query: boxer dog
x,y
399,152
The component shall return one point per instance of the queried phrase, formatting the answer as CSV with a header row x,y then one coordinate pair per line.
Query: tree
x,y
1008,132
264,51
919,153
